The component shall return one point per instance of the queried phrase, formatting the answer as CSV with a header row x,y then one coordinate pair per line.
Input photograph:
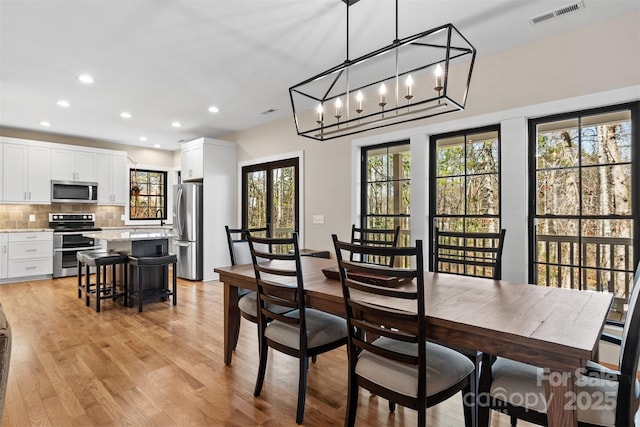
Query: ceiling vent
x,y
570,8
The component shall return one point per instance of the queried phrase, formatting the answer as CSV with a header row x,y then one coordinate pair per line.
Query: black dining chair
x,y
302,332
388,351
239,253
375,237
604,397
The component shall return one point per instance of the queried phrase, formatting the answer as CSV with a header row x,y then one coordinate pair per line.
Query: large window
x,y
386,188
270,193
148,194
465,181
583,212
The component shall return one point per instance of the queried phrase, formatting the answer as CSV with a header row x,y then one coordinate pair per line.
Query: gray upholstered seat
x,y
248,304
444,367
322,328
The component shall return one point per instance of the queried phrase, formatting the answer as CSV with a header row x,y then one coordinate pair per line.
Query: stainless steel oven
x,y
68,240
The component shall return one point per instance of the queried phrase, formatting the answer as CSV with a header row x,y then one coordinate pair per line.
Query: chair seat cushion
x,y
248,304
322,328
523,385
445,367
98,258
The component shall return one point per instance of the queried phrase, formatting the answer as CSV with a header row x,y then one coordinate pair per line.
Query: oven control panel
x,y
72,217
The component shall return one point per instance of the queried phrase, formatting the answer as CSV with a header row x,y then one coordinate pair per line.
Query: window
x,y
270,193
465,181
583,213
386,189
148,192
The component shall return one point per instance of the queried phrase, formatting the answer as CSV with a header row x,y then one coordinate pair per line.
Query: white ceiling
x,y
169,60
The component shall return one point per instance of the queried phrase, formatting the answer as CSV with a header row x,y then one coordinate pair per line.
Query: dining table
x,y
553,328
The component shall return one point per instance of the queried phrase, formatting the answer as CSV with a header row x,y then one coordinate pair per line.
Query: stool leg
x,y
99,286
113,283
125,285
87,284
175,288
139,279
79,279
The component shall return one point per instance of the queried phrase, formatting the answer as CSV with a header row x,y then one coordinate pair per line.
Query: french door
x,y
270,196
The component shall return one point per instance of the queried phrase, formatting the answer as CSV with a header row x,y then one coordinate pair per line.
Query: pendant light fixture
x,y
419,76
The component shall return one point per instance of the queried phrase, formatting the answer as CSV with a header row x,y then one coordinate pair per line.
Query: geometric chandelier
x,y
423,75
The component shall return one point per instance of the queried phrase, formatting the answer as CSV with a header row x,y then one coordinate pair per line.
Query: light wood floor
x,y
71,366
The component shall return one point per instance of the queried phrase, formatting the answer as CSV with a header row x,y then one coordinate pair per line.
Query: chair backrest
x,y
469,254
374,237
239,245
630,346
279,281
366,302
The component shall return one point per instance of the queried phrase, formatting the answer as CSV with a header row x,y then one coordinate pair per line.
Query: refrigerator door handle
x,y
179,207
181,244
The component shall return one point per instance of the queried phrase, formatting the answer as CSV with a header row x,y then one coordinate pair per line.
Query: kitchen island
x,y
140,244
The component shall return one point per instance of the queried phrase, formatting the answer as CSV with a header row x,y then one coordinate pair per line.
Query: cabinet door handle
x,y
31,268
31,250
29,195
31,237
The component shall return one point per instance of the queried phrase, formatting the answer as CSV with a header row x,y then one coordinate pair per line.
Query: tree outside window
x,y
148,194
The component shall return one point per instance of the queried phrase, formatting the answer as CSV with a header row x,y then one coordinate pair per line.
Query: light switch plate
x,y
318,219
32,218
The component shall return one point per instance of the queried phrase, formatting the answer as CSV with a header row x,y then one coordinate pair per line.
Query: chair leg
x,y
392,406
469,405
302,388
514,421
262,367
352,402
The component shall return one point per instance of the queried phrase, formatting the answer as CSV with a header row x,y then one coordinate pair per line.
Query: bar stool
x,y
140,264
80,258
100,260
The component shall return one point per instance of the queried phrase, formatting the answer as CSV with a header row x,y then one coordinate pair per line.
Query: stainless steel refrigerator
x,y
187,226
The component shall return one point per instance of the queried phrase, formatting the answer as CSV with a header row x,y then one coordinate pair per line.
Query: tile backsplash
x,y
16,216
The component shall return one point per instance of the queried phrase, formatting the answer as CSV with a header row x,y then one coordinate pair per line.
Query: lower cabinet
x,y
30,254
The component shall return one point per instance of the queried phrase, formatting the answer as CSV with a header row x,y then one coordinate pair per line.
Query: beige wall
x,y
585,61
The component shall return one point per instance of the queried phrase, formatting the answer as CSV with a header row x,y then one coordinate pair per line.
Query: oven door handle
x,y
84,248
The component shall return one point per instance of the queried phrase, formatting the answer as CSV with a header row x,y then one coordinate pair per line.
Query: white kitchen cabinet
x,y
26,174
192,161
30,254
70,165
1,174
112,179
3,255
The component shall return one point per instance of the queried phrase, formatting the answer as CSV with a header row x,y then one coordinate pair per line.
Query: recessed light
x,y
214,109
143,138
156,145
85,78
45,123
63,103
176,124
125,115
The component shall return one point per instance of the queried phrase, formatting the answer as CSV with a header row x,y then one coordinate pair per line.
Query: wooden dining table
x,y
553,328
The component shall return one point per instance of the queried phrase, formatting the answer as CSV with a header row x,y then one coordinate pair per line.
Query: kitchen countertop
x,y
25,230
138,227
129,236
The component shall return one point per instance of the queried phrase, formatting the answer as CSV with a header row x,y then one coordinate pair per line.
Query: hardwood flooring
x,y
71,366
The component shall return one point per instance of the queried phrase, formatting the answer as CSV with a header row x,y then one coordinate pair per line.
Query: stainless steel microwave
x,y
74,192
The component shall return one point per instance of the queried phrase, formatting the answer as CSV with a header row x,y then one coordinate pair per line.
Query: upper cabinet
x,y
70,165
26,172
192,161
112,179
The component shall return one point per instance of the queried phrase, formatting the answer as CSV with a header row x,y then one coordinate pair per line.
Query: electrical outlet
x,y
122,217
32,218
318,219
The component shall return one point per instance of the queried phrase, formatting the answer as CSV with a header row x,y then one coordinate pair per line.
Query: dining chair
x,y
375,237
239,254
603,396
302,332
469,254
388,351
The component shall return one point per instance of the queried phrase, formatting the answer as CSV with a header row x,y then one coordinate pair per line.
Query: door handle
x,y
184,245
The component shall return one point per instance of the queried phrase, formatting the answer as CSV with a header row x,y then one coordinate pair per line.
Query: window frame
x,y
433,139
634,109
364,215
164,195
269,166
